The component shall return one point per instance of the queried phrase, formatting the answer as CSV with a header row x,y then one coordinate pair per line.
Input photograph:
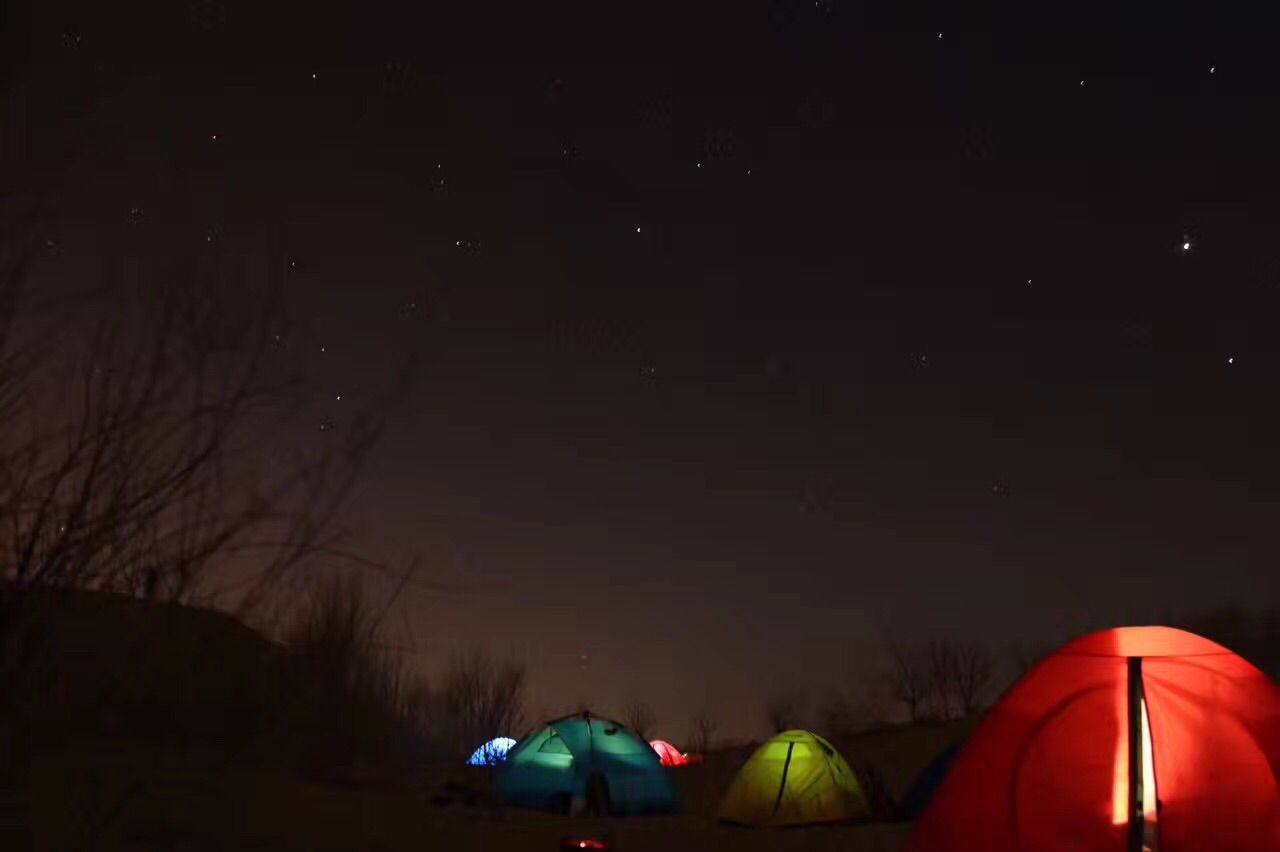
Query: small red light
x,y
584,843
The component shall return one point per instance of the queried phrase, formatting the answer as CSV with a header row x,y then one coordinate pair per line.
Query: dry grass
x,y
121,787
124,795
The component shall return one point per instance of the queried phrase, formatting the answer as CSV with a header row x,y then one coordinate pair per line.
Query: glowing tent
x,y
795,778
585,763
492,752
668,754
1127,739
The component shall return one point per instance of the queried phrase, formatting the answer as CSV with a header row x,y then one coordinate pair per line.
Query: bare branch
x,y
784,712
909,678
973,674
702,730
480,698
638,716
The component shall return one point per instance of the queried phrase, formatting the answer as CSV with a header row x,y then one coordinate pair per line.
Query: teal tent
x,y
585,763
927,782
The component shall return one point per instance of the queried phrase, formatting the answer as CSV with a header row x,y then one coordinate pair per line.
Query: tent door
x,y
782,785
1143,803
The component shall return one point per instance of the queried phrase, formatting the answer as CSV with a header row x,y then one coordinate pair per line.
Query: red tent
x,y
1049,769
668,754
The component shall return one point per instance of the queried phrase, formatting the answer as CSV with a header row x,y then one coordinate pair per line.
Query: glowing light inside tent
x,y
1120,785
668,754
494,751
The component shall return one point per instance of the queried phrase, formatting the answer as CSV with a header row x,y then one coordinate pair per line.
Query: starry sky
x,y
741,338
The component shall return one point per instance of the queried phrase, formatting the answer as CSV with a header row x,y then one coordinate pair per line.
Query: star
x,y
215,137
338,398
1082,82
313,75
637,229
1231,360
1186,245
1212,68
939,35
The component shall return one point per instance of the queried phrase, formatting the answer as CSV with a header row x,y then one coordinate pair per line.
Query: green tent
x,y
795,778
585,763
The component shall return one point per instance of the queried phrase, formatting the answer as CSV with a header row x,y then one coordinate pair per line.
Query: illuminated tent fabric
x,y
584,762
492,752
1049,767
795,778
668,754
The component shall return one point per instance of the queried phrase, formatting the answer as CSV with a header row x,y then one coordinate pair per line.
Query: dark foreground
x,y
118,795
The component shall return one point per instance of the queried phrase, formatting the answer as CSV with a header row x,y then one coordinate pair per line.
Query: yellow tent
x,y
795,778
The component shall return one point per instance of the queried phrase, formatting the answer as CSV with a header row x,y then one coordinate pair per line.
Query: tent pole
x,y
1136,816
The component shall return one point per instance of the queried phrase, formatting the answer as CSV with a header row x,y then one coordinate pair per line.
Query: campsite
x,y
1054,752
713,426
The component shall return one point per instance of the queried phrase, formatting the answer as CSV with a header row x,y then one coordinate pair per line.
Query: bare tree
x,y
942,672
972,675
481,697
162,442
147,475
909,678
784,712
702,729
838,715
638,716
351,693
165,432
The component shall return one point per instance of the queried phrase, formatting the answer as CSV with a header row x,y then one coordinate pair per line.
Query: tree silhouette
x,y
638,716
784,712
702,729
909,677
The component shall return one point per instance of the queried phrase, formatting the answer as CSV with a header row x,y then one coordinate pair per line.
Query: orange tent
x,y
1132,739
668,754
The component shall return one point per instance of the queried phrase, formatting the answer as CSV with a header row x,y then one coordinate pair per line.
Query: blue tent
x,y
492,752
585,763
927,782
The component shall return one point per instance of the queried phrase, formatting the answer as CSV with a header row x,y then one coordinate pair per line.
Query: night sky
x,y
740,339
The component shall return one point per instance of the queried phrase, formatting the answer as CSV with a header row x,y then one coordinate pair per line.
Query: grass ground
x,y
106,791
120,795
